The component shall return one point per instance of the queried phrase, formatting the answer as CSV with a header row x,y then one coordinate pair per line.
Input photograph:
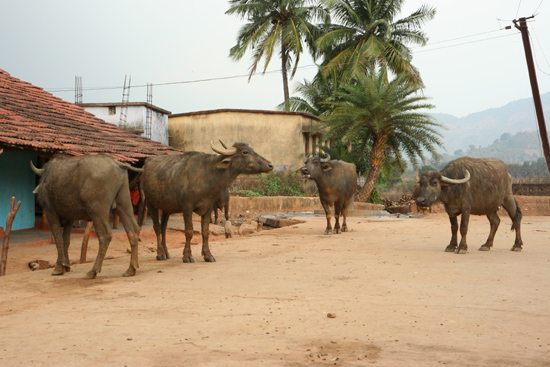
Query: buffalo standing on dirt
x,y
86,188
337,182
471,186
191,182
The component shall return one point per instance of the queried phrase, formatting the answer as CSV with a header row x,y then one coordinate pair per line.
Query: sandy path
x,y
399,300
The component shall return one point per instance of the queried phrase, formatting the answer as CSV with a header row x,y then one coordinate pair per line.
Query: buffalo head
x,y
315,166
242,159
429,184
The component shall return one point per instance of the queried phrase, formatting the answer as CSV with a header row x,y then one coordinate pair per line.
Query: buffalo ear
x,y
326,166
224,164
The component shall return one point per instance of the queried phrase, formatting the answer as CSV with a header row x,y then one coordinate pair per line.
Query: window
x,y
112,110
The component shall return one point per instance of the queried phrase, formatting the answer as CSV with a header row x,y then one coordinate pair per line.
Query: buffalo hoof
x,y
129,273
461,251
162,258
328,232
485,248
188,260
337,231
90,275
450,249
210,259
516,248
60,270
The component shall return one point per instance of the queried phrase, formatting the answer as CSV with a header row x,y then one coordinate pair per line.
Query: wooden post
x,y
116,220
84,248
6,243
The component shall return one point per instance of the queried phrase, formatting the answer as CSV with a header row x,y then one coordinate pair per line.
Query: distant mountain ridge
x,y
484,127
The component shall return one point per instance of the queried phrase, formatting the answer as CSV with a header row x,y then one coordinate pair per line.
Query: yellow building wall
x,y
277,136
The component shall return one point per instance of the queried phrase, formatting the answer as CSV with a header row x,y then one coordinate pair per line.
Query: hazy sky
x,y
470,64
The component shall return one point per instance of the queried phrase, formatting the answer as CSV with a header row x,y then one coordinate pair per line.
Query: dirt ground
x,y
394,298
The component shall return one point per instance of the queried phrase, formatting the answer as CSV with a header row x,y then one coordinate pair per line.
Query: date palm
x,y
276,25
366,32
387,119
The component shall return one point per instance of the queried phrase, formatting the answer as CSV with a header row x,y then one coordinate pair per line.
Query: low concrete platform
x,y
358,213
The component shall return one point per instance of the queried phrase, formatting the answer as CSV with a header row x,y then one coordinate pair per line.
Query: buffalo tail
x,y
517,218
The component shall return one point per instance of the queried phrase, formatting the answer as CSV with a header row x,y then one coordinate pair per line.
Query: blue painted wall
x,y
17,179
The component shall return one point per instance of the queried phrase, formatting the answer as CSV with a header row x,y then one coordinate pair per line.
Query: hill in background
x,y
497,130
519,148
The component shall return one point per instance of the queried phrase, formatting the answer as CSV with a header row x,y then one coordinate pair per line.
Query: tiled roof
x,y
33,119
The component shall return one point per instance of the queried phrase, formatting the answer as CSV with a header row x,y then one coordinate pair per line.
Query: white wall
x,y
135,119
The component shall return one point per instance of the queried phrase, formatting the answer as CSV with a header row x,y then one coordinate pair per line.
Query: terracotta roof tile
x,y
31,118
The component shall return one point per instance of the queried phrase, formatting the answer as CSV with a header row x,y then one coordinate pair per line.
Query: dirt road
x,y
396,299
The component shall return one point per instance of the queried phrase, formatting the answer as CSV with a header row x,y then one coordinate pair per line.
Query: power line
x,y
517,11
535,54
67,89
537,7
465,43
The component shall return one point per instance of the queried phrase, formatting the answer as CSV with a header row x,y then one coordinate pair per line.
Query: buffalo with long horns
x,y
471,186
190,183
337,182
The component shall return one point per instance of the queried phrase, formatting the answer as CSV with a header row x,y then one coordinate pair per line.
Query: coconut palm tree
x,y
311,96
276,25
386,117
366,32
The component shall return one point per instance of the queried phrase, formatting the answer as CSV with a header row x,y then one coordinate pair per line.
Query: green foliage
x,y
390,116
248,193
529,169
367,33
273,184
374,197
282,28
339,150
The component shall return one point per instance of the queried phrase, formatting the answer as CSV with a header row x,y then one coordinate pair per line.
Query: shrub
x,y
285,183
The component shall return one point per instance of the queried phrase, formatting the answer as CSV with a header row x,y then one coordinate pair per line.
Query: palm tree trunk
x,y
285,77
376,159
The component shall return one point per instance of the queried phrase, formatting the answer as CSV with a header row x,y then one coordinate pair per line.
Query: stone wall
x,y
283,204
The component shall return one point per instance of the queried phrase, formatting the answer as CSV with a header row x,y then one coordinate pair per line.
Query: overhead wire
x,y
538,7
418,50
535,53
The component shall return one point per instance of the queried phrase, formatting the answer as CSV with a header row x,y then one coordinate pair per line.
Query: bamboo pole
x,y
6,243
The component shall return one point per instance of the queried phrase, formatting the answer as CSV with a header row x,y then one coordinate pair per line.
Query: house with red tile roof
x,y
35,125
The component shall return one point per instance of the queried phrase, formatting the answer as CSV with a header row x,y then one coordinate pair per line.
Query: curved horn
x,y
456,181
223,145
416,177
231,151
307,157
38,171
326,159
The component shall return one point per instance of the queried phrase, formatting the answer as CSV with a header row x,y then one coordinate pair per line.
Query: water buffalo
x,y
191,182
86,188
222,203
336,181
471,186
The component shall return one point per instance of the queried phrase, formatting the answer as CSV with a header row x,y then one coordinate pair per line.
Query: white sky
x,y
48,43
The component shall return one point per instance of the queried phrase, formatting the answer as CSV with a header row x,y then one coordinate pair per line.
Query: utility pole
x,y
521,25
